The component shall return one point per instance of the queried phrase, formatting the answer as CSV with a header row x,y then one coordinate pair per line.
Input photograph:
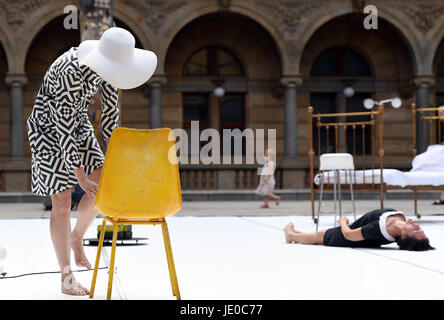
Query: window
x,y
340,62
213,61
227,112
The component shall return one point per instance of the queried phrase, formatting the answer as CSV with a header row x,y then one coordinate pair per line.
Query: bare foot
x,y
70,286
289,228
79,254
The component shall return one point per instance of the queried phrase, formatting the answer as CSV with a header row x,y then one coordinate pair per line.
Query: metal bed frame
x,y
419,116
349,122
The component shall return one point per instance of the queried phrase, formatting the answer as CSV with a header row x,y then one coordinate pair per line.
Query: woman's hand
x,y
343,220
85,183
88,186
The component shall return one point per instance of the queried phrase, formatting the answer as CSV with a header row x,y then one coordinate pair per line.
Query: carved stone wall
x,y
16,12
291,24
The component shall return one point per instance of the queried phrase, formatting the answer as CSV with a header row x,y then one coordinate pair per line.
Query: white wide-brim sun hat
x,y
116,60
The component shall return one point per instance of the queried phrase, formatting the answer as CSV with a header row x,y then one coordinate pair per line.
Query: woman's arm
x,y
67,90
85,183
350,234
270,170
67,93
110,109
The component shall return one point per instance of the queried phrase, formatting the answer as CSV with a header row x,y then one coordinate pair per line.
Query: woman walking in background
x,y
267,182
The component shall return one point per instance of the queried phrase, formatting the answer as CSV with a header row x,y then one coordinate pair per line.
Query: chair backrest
x,y
336,161
140,178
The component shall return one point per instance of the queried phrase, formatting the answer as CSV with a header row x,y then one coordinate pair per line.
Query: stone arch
x,y
142,34
404,30
435,46
173,30
383,52
33,25
238,36
52,10
6,44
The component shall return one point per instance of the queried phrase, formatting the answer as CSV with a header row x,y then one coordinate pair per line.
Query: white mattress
x,y
427,170
391,177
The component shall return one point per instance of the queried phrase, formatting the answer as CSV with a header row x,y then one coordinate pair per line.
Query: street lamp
x,y
219,92
369,103
349,92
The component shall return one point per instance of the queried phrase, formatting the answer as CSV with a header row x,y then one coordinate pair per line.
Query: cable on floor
x,y
43,272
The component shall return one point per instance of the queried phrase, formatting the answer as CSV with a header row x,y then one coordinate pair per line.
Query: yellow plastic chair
x,y
139,184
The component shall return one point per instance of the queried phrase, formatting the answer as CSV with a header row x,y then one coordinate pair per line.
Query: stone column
x,y
155,96
16,169
423,84
291,116
16,82
341,107
293,177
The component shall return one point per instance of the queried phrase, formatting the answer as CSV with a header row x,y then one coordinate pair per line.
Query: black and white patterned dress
x,y
60,134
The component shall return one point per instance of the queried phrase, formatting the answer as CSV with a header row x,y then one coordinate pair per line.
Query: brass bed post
x,y
414,152
363,152
431,131
336,139
311,156
439,131
372,133
381,153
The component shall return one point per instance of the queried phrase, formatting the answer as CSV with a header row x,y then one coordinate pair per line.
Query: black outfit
x,y
373,237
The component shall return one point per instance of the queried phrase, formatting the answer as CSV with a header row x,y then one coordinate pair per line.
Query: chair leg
x,y
111,266
320,200
352,195
334,194
99,251
339,194
169,254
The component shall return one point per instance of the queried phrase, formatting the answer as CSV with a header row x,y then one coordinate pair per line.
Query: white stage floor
x,y
231,258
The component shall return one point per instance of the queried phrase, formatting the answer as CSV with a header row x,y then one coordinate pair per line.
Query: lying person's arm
x,y
350,234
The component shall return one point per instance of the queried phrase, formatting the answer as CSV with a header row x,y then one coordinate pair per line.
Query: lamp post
x,y
370,103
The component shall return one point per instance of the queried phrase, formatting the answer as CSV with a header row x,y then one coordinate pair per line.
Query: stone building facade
x,y
271,57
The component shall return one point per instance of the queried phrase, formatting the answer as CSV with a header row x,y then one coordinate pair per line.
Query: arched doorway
x,y
439,73
49,43
374,63
223,112
4,108
336,63
235,52
229,50
439,90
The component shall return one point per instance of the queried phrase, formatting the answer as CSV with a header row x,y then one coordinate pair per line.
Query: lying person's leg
x,y
292,235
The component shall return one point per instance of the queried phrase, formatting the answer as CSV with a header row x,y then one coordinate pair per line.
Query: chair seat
x,y
336,161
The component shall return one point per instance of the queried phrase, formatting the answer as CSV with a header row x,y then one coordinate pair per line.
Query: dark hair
x,y
412,244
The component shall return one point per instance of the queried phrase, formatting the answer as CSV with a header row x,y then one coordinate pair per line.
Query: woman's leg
x,y
275,197
292,235
60,228
86,213
266,200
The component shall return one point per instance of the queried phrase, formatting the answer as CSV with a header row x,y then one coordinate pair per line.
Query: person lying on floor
x,y
373,229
